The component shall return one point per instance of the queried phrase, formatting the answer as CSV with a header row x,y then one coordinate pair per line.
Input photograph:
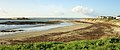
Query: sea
x,y
36,27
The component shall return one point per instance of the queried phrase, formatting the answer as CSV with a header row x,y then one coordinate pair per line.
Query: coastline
x,y
14,29
38,33
81,30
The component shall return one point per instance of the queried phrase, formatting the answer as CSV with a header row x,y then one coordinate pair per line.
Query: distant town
x,y
100,17
109,17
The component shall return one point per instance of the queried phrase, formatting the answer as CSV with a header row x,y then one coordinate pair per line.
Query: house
x,y
118,17
106,17
101,17
111,17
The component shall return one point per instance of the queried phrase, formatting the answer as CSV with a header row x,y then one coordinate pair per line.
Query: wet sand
x,y
39,33
82,30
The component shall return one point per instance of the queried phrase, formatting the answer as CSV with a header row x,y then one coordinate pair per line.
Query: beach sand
x,y
39,33
82,30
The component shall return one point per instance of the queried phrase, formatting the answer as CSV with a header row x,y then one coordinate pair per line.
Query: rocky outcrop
x,y
10,30
4,42
24,22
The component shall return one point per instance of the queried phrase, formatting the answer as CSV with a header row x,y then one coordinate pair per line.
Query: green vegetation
x,y
102,44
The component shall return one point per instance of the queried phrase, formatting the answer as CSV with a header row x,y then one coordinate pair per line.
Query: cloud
x,y
58,13
2,11
83,10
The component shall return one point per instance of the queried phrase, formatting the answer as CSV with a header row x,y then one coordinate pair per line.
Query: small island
x,y
21,18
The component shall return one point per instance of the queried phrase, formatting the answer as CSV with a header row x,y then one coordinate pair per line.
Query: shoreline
x,y
82,30
38,28
53,30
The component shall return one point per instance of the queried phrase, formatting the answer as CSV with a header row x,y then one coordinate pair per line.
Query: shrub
x,y
102,44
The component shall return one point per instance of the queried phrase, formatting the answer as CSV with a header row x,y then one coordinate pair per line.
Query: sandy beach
x,y
38,33
81,30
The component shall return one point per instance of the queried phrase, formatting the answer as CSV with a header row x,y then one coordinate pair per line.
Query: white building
x,y
118,17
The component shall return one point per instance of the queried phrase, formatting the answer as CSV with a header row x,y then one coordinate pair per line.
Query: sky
x,y
58,8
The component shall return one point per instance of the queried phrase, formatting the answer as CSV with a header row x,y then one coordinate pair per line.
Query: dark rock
x,y
24,22
20,30
10,30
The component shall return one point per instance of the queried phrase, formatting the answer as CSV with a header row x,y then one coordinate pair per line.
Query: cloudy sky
x,y
58,8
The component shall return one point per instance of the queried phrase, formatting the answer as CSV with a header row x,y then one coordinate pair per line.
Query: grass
x,y
105,20
90,31
101,44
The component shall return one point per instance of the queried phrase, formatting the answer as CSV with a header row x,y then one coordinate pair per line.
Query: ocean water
x,y
8,27
31,28
41,28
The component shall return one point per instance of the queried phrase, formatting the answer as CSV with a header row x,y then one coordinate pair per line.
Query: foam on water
x,y
31,28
